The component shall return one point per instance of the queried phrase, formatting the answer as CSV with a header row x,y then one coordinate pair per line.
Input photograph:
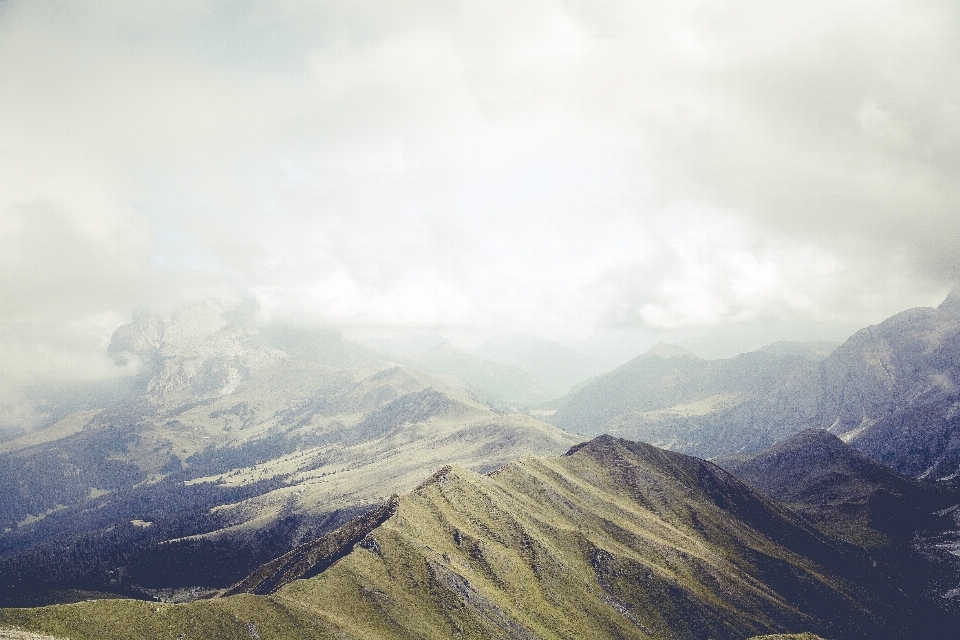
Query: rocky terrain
x,y
842,490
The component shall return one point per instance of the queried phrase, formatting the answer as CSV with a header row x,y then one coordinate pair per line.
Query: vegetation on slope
x,y
614,540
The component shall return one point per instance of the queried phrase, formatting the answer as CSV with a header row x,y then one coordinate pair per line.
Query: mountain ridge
x,y
892,390
614,539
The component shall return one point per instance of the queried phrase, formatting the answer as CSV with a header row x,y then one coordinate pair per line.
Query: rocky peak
x,y
141,338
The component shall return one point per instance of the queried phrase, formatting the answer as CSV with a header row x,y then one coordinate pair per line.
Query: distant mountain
x,y
891,390
813,349
500,385
238,443
613,540
558,368
672,398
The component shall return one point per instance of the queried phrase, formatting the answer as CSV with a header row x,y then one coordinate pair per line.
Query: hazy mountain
x,y
672,398
501,385
813,349
891,390
614,540
240,442
558,368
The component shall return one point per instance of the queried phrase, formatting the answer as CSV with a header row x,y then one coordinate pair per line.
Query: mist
x,y
602,174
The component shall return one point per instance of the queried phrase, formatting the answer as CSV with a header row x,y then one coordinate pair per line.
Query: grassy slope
x,y
616,540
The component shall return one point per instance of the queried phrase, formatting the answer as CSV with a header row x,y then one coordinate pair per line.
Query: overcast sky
x,y
578,170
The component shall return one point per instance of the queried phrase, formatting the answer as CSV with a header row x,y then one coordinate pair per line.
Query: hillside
x,y
892,391
840,489
613,540
241,442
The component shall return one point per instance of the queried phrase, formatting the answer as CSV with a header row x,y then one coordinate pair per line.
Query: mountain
x,y
840,489
615,539
894,390
908,527
891,390
813,349
558,368
239,442
672,398
501,385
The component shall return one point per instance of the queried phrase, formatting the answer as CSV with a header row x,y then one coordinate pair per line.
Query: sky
x,y
606,174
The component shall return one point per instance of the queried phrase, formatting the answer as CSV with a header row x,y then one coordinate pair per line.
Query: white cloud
x,y
481,166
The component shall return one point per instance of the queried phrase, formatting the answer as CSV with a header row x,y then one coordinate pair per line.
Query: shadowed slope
x,y
842,490
312,558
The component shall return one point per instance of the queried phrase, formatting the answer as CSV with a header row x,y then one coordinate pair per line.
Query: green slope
x,y
614,540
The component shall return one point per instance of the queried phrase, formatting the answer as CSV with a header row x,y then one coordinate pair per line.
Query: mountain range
x,y
615,539
241,440
271,478
891,390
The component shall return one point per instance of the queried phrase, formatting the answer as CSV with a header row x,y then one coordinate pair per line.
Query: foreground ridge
x,y
615,539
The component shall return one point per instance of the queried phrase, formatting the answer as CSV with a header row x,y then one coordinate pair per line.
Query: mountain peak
x,y
667,350
951,304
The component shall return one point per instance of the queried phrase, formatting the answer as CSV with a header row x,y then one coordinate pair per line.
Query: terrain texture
x,y
613,540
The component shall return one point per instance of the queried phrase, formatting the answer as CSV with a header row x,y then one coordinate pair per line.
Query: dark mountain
x,y
613,540
908,527
891,390
844,492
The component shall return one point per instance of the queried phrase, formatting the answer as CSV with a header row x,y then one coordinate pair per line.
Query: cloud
x,y
556,167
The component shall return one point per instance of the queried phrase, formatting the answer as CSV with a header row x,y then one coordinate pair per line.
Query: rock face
x,y
891,390
242,442
613,540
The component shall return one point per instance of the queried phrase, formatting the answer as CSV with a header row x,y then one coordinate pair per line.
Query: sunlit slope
x,y
614,540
